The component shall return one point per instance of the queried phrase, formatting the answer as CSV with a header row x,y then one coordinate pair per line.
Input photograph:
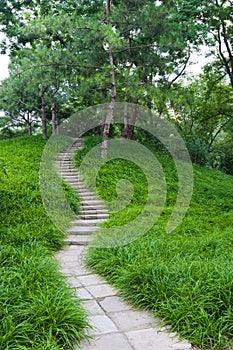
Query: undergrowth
x,y
37,309
184,277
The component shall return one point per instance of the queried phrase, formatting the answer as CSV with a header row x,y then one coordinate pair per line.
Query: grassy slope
x,y
186,277
37,310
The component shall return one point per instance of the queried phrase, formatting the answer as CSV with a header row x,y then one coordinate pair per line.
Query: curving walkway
x,y
116,325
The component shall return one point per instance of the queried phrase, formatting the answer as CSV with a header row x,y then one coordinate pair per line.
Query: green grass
x,y
37,309
185,277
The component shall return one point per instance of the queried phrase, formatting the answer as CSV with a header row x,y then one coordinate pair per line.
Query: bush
x,y
198,151
37,309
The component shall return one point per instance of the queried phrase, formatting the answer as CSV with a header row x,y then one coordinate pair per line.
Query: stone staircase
x,y
92,210
116,325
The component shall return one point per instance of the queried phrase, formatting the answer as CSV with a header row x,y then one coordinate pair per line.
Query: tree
x,y
212,22
202,111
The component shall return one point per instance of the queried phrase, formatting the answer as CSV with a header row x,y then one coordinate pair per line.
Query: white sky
x,y
4,61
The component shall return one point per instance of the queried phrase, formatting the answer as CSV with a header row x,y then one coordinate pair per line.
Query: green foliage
x,y
224,149
184,277
198,151
37,309
71,197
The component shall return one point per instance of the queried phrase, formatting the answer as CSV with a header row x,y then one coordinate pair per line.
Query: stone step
x,y
64,164
72,175
82,222
71,178
65,160
64,155
82,230
86,197
78,240
93,211
92,207
69,172
83,191
67,167
79,187
87,216
92,202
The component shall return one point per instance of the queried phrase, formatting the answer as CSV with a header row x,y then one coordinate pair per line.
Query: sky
x,y
4,60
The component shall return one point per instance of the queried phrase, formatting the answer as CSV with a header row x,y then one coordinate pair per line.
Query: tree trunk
x,y
106,126
54,124
130,130
29,126
125,127
57,120
43,118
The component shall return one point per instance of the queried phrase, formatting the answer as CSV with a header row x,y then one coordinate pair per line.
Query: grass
x,y
185,277
37,309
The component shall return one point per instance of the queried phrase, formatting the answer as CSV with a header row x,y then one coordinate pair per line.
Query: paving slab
x,y
82,229
82,222
90,280
113,304
78,240
93,307
102,325
74,282
151,339
83,294
100,291
115,341
127,320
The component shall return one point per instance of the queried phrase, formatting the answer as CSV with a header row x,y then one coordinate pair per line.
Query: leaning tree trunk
x,y
106,126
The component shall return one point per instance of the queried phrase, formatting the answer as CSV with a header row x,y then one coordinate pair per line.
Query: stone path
x,y
116,325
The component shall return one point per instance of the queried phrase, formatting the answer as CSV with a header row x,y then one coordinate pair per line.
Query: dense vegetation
x,y
37,309
186,276
69,56
66,57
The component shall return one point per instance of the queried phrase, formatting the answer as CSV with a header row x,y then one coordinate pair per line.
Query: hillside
x,y
185,276
37,310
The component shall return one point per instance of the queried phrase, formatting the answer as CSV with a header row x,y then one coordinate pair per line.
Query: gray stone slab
x,y
95,216
93,211
78,240
114,341
77,271
102,324
80,271
130,319
150,339
93,307
82,229
88,222
113,304
90,280
83,294
100,291
73,282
